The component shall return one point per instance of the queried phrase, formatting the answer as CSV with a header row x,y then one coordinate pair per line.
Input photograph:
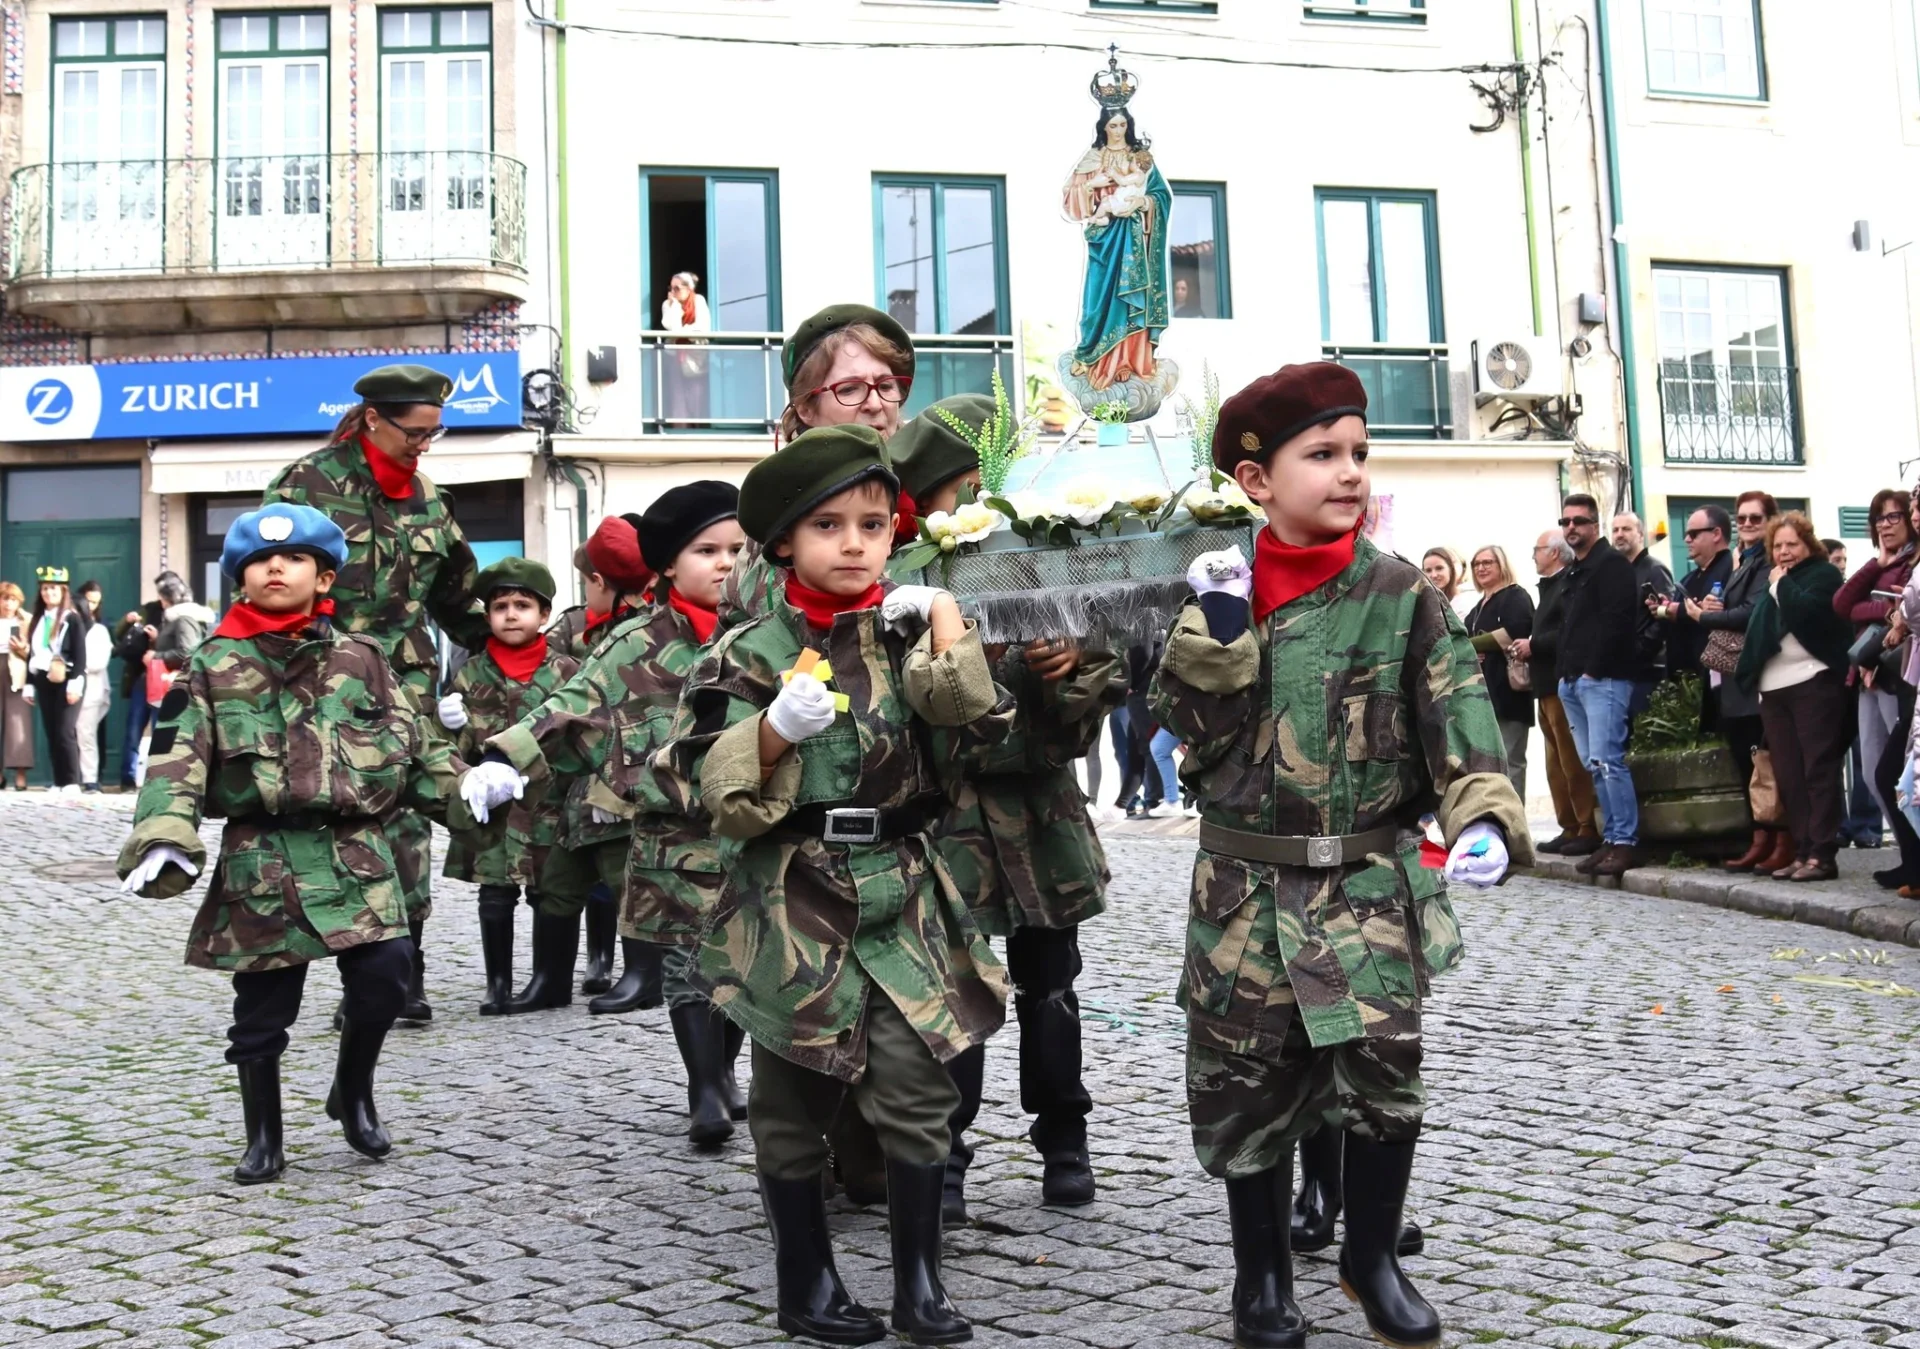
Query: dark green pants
x,y
571,873
411,838
905,1094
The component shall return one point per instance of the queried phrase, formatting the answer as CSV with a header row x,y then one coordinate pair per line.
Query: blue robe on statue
x,y
1126,286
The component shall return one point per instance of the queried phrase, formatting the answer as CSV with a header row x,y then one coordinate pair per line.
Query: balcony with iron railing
x,y
272,239
1409,395
1730,414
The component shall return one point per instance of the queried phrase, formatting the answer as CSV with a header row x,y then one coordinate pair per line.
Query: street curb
x,y
1820,903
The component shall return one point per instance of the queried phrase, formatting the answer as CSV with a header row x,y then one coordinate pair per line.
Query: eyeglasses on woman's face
x,y
853,392
1480,562
1750,519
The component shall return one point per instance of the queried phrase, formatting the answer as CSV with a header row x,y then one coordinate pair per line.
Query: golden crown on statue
x,y
1113,87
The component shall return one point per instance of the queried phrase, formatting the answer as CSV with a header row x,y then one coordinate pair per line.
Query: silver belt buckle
x,y
1323,852
852,824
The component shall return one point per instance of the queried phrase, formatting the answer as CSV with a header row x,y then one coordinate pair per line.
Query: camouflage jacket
x,y
600,732
569,631
806,931
514,855
1017,837
408,562
1357,705
275,727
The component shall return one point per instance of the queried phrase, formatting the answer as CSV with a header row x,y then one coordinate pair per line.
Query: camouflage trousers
x,y
1247,1113
412,839
571,874
905,1094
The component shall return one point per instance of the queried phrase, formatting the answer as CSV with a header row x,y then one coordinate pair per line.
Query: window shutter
x,y
1853,523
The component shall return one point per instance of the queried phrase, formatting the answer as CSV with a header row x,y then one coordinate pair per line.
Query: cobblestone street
x,y
1653,1123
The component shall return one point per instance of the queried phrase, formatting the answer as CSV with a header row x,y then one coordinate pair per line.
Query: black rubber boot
x,y
1317,1207
731,1040
699,1030
639,984
968,1071
921,1311
415,1008
603,913
496,955
1376,1176
1265,1316
351,1100
813,1303
260,1109
556,943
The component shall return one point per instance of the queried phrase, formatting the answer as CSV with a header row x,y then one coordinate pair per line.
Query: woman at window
x,y
1878,692
1795,659
685,311
1732,710
56,665
1503,607
16,694
99,690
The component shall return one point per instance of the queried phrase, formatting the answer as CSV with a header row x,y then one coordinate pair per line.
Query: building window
x,y
1380,310
1727,381
1198,239
1707,47
272,134
108,80
436,131
1158,6
941,270
1406,13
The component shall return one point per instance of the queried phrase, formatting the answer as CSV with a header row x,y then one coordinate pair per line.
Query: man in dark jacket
x,y
133,637
1709,537
1567,778
1651,580
1598,640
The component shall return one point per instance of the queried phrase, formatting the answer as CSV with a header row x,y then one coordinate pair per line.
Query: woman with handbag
x,y
1900,644
16,695
1731,710
56,669
1878,684
1504,607
1796,658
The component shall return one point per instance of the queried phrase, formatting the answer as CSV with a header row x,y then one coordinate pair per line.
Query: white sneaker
x,y
71,789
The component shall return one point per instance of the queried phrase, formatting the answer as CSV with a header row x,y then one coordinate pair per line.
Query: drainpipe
x,y
565,211
1622,277
1526,166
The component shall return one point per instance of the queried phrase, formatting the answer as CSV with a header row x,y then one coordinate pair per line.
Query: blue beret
x,y
282,528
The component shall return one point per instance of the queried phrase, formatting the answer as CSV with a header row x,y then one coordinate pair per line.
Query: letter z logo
x,y
49,401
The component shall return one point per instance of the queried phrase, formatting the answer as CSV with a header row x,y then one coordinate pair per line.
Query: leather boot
x,y
260,1109
415,1008
1317,1207
812,1302
699,1031
731,1040
857,1164
1783,854
921,1311
1375,1177
1265,1316
1761,846
556,943
640,979
496,955
968,1071
351,1100
602,920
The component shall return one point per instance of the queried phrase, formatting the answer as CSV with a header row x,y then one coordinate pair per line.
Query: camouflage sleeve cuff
x,y
164,829
1206,666
742,806
1081,693
1489,797
953,688
522,749
600,794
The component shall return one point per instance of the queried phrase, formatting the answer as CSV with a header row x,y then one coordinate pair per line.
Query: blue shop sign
x,y
296,395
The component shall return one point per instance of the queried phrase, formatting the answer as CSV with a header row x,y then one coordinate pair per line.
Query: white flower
x,y
1207,504
1086,502
974,521
1146,500
1027,505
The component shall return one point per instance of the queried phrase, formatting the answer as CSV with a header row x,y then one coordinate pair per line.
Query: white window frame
x,y
1742,74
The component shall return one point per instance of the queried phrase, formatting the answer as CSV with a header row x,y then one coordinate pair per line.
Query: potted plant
x,y
1110,419
1692,793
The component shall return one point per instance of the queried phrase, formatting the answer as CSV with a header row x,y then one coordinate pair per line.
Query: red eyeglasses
x,y
853,392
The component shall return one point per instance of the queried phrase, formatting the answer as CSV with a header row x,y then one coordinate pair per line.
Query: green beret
x,y
515,573
404,384
831,320
818,464
927,451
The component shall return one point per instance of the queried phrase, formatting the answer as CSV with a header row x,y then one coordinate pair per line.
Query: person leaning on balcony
x,y
1568,781
1888,570
1727,708
685,310
1503,607
1795,660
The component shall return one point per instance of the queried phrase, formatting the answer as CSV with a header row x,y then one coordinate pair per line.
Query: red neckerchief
x,y
821,608
595,620
1283,573
395,478
518,662
243,621
906,520
703,619
687,311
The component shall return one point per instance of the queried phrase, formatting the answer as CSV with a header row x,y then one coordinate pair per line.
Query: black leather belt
x,y
1298,850
301,820
856,824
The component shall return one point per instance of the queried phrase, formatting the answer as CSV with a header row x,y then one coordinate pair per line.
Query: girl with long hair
x,y
56,668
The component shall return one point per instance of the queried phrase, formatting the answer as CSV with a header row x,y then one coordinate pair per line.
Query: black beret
x,y
515,573
819,463
1275,408
831,320
927,451
404,384
679,515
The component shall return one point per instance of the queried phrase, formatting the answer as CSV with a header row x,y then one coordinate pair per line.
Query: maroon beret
x,y
614,551
1275,408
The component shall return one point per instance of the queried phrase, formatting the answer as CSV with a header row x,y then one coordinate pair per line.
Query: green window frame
x,y
1397,13
938,186
1219,296
1373,200
1158,6
287,30
450,28
123,37
653,287
1854,523
1666,77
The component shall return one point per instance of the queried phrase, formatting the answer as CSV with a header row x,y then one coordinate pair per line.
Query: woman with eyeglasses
x,y
1877,686
848,363
1503,607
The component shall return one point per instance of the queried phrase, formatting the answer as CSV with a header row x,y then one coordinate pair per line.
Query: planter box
x,y
1691,797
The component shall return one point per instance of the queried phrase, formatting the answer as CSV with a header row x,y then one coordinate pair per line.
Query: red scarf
x,y
821,608
686,311
518,662
395,478
702,619
906,520
243,621
595,620
1283,573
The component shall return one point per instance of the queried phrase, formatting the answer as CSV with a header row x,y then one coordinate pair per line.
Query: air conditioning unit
x,y
1516,369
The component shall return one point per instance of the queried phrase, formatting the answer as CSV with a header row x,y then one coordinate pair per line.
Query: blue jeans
x,y
139,713
1162,750
1597,712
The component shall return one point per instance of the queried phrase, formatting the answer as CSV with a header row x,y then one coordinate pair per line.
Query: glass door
x,y
107,184
436,132
272,173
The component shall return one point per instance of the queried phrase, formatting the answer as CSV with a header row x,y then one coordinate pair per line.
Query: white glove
x,y
453,711
152,862
905,608
1484,868
490,785
1225,572
601,815
804,707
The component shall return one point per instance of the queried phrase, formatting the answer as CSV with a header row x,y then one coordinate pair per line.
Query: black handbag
x,y
1868,647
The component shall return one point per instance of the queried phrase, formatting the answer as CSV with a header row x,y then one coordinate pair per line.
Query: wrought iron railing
x,y
1730,414
268,213
732,383
1408,392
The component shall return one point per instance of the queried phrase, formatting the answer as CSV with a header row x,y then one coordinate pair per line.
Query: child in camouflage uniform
x,y
1316,740
492,691
1020,844
298,735
603,729
838,940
